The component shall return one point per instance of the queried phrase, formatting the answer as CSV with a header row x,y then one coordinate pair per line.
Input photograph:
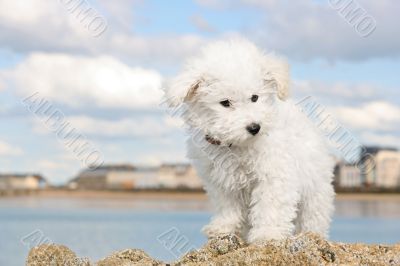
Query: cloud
x,y
138,127
55,26
201,23
309,29
174,122
119,13
34,24
163,49
379,115
46,165
7,149
2,85
80,81
216,4
339,92
160,157
303,30
366,110
56,170
306,30
386,140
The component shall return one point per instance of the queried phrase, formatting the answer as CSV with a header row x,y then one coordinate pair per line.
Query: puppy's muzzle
x,y
253,128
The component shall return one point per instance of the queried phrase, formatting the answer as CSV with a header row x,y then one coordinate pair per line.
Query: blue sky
x,y
108,87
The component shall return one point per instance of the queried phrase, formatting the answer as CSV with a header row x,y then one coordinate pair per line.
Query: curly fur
x,y
267,186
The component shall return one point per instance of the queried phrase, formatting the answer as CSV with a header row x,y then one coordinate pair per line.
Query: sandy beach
x,y
176,195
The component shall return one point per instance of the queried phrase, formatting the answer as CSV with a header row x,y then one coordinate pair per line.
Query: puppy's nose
x,y
253,128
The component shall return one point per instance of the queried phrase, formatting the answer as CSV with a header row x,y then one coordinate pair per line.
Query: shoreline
x,y
176,195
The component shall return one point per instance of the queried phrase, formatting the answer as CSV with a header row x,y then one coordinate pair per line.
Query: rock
x,y
54,255
304,249
129,257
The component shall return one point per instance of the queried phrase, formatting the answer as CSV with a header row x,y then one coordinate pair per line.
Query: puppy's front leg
x,y
272,210
228,217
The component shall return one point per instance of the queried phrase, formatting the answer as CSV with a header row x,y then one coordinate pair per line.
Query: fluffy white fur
x,y
267,186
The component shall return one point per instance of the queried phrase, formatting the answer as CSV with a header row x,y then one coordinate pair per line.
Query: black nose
x,y
253,128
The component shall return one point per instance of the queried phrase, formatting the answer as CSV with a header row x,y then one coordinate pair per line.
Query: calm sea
x,y
165,229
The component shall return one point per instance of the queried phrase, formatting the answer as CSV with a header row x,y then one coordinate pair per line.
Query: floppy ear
x,y
182,88
277,74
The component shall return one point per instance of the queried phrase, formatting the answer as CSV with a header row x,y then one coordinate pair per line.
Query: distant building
x,y
128,177
382,167
347,175
179,176
105,177
22,182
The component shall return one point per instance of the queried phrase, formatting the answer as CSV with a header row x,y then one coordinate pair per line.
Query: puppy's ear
x,y
277,75
182,88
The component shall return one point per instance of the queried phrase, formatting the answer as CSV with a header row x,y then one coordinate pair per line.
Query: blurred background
x,y
91,159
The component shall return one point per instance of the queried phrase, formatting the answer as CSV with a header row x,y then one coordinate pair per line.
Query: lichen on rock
x,y
129,257
304,249
54,255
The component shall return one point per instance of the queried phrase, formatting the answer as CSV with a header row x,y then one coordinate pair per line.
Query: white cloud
x,y
367,110
21,12
158,158
174,122
143,126
307,30
372,115
2,84
57,171
120,13
41,25
46,165
300,29
386,140
201,23
7,149
218,4
340,91
82,81
163,49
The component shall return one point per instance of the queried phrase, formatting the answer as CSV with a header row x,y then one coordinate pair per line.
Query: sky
x,y
103,74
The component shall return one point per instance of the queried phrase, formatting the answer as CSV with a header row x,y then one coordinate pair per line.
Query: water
x,y
95,228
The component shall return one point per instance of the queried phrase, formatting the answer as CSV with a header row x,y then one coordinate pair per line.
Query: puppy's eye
x,y
225,103
254,98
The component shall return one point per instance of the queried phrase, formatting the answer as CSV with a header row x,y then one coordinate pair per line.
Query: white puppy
x,y
265,168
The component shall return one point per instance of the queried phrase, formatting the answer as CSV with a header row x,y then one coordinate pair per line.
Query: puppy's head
x,y
231,91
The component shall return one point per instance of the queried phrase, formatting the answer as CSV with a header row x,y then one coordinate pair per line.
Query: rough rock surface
x,y
306,249
134,257
50,255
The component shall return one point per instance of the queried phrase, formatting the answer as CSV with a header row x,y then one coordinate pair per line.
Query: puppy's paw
x,y
260,237
217,230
